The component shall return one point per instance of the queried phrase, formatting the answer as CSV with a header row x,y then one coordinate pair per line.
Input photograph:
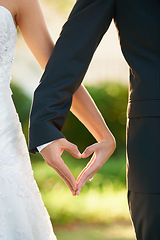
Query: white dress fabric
x,y
23,215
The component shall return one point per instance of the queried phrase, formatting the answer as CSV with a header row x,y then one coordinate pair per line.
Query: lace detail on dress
x,y
23,215
8,35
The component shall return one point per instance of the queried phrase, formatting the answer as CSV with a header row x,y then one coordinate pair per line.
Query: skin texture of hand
x,y
102,151
52,155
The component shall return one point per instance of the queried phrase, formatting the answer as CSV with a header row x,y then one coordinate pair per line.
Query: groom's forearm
x,y
66,68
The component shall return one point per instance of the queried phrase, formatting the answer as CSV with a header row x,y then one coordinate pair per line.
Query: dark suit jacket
x,y
138,25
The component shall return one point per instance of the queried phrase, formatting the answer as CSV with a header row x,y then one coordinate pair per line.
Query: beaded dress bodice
x,y
8,36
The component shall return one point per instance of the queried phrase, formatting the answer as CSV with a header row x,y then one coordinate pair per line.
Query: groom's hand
x,y
102,151
52,155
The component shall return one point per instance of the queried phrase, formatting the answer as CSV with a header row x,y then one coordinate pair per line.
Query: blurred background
x,y
100,211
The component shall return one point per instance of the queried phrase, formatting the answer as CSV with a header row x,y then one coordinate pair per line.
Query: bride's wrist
x,y
108,137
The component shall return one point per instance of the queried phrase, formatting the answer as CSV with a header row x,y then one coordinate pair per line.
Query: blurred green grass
x,y
103,200
110,232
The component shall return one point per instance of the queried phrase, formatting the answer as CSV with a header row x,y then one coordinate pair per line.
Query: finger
x,y
73,149
88,165
58,163
84,182
72,186
66,181
87,174
88,151
61,166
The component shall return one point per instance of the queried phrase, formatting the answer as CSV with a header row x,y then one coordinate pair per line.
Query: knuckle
x,y
63,141
49,164
87,175
87,151
98,166
74,147
88,148
55,161
113,143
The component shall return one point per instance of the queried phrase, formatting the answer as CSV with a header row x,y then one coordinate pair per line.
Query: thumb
x,y
88,151
72,149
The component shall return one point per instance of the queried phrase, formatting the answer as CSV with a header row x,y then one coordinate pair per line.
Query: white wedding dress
x,y
22,212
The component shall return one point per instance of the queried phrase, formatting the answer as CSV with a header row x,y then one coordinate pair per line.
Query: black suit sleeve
x,y
79,38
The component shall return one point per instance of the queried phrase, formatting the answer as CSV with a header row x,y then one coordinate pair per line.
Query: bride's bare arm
x,y
32,25
84,108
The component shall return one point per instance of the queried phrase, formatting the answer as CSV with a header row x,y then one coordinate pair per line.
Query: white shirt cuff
x,y
43,146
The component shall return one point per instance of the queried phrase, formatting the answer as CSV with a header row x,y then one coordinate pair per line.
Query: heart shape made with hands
x,y
52,155
88,171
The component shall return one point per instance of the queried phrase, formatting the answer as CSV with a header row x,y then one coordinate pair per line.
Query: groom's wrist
x,y
41,147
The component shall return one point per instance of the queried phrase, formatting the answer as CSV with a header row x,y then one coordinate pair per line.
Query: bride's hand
x,y
102,151
52,155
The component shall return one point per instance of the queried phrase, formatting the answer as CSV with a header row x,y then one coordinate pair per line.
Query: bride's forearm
x,y
84,108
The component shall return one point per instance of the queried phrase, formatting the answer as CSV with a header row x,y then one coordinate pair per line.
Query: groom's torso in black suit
x,y
138,24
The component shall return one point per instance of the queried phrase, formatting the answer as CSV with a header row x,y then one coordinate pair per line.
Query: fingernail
x,y
79,155
84,155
